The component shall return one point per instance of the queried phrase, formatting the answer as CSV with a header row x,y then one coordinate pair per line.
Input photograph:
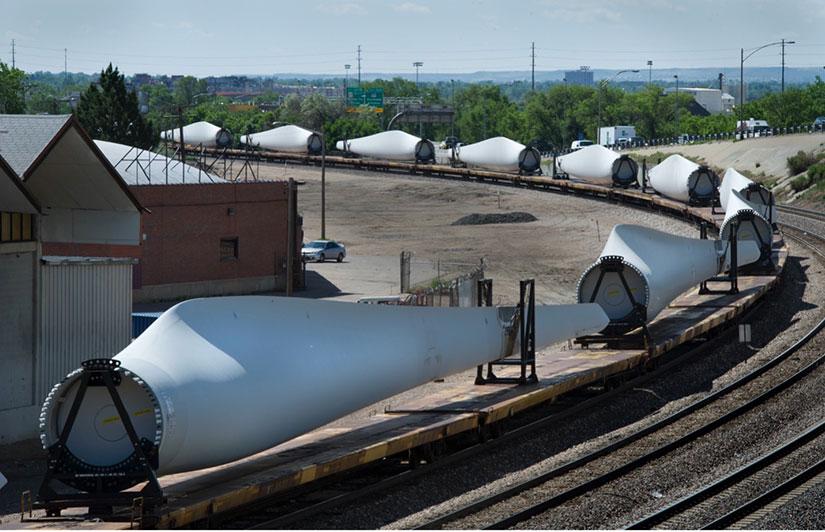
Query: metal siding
x,y
16,329
85,313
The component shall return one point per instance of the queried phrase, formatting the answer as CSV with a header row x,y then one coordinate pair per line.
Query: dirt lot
x,y
378,215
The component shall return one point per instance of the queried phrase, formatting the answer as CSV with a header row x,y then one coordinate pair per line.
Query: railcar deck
x,y
195,495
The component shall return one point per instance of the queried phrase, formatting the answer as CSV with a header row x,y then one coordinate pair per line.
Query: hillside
x,y
762,159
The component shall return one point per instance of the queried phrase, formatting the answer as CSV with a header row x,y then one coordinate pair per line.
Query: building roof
x,y
143,167
60,165
24,137
13,195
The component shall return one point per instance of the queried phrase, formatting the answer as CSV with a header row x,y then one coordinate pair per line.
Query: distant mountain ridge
x,y
686,75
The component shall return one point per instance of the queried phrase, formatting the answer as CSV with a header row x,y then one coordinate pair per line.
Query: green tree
x,y
112,113
317,112
187,88
484,112
12,85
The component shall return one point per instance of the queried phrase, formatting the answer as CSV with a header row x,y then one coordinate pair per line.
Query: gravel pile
x,y
783,318
496,218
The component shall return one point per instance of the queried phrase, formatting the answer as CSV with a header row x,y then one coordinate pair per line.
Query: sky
x,y
203,38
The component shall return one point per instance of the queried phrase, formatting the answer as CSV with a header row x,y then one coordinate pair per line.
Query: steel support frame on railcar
x,y
525,319
733,273
99,488
635,319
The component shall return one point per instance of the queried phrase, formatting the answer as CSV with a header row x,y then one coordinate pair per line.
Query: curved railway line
x,y
580,476
668,425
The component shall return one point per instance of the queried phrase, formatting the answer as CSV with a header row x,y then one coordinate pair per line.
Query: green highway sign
x,y
358,96
375,97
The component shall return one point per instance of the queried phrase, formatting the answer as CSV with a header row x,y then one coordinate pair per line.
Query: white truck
x,y
610,135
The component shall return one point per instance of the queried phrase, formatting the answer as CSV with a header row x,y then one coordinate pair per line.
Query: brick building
x,y
206,236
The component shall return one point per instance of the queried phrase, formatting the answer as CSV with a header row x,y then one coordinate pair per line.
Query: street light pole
x,y
650,72
742,59
603,84
418,88
784,42
346,78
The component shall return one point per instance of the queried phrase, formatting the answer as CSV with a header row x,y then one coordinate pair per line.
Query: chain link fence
x,y
439,283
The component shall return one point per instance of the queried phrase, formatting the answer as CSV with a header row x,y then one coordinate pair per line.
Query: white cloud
x,y
409,7
345,8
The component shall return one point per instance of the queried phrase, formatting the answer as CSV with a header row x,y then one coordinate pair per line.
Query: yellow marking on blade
x,y
141,412
634,289
110,419
613,292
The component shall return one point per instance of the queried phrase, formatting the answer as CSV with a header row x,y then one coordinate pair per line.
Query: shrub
x,y
800,162
816,173
800,183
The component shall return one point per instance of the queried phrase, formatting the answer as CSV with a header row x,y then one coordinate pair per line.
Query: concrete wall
x,y
86,226
19,267
181,239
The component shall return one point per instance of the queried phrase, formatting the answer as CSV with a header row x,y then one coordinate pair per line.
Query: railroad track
x,y
333,493
804,213
792,460
584,475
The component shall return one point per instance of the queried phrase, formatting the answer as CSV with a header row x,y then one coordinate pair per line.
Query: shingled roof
x,y
27,140
24,137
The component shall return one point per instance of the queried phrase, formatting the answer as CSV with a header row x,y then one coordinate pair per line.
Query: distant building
x,y
733,89
139,80
714,101
583,76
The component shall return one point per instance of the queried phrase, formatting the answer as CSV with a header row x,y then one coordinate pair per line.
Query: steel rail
x,y
505,494
799,211
749,470
616,473
663,450
768,497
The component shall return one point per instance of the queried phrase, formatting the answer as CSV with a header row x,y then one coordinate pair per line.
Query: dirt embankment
x,y
763,159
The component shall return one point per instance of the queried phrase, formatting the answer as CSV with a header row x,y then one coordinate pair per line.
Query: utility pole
x,y
324,181
65,65
650,72
359,65
12,53
452,122
676,115
533,85
564,129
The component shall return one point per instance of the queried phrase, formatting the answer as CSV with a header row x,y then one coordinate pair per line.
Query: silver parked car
x,y
321,250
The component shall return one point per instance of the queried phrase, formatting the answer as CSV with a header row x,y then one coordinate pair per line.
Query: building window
x,y
16,227
229,248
